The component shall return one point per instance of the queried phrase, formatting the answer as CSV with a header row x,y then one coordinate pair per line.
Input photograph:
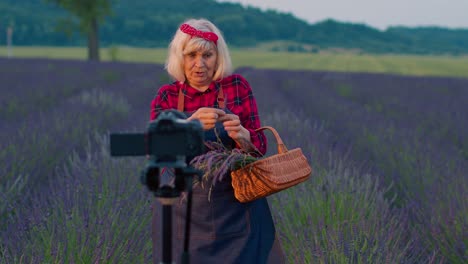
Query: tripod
x,y
167,196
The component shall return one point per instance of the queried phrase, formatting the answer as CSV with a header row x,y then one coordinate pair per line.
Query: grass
x,y
326,61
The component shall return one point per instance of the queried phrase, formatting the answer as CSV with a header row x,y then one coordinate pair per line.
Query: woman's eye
x,y
207,55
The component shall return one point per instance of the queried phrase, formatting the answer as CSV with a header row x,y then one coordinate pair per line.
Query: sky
x,y
375,13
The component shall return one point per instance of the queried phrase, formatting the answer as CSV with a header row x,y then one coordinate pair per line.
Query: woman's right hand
x,y
207,116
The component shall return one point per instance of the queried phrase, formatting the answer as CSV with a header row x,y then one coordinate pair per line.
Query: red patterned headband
x,y
210,36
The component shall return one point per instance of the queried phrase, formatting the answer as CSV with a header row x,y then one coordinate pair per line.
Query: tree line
x,y
151,23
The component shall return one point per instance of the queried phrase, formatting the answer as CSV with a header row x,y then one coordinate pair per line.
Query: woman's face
x,y
199,67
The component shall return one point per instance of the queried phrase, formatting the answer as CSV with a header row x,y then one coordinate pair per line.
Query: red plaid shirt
x,y
238,98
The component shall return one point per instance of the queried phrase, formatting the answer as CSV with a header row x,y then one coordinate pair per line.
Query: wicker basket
x,y
272,174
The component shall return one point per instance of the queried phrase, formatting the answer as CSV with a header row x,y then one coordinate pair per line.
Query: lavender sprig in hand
x,y
219,160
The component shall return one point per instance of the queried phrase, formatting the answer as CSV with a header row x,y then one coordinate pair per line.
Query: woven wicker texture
x,y
272,174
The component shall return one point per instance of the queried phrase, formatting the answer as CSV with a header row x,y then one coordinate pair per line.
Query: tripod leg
x,y
188,218
167,236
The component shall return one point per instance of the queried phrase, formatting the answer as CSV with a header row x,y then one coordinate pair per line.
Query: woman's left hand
x,y
233,127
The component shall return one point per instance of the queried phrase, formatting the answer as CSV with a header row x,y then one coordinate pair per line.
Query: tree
x,y
89,14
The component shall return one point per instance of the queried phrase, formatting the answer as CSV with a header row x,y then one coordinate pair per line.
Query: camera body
x,y
171,136
170,140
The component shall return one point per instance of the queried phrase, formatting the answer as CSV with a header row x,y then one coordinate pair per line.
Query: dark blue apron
x,y
223,230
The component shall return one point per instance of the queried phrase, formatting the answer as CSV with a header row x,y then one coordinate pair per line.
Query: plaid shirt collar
x,y
191,92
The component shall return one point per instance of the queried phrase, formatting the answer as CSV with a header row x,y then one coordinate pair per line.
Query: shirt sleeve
x,y
250,118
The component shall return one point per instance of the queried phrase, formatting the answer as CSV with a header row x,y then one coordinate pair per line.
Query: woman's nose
x,y
199,62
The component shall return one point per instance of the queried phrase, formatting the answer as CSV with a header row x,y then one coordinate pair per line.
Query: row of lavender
x,y
53,122
93,210
408,132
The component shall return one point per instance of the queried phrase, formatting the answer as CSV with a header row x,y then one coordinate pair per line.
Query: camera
x,y
170,140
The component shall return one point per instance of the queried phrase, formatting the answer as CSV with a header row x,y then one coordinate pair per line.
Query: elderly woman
x,y
223,230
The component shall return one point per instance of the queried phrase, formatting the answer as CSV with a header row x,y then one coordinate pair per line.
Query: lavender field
x,y
389,154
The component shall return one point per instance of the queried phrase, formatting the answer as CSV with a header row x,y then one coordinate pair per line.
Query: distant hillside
x,y
151,23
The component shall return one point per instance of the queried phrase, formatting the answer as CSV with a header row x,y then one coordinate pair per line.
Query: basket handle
x,y
281,147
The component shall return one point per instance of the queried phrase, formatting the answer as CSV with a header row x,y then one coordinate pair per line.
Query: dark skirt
x,y
223,230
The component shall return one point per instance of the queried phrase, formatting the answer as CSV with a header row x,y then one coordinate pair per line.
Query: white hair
x,y
183,43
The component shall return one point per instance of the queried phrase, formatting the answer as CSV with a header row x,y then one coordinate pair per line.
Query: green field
x,y
327,61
